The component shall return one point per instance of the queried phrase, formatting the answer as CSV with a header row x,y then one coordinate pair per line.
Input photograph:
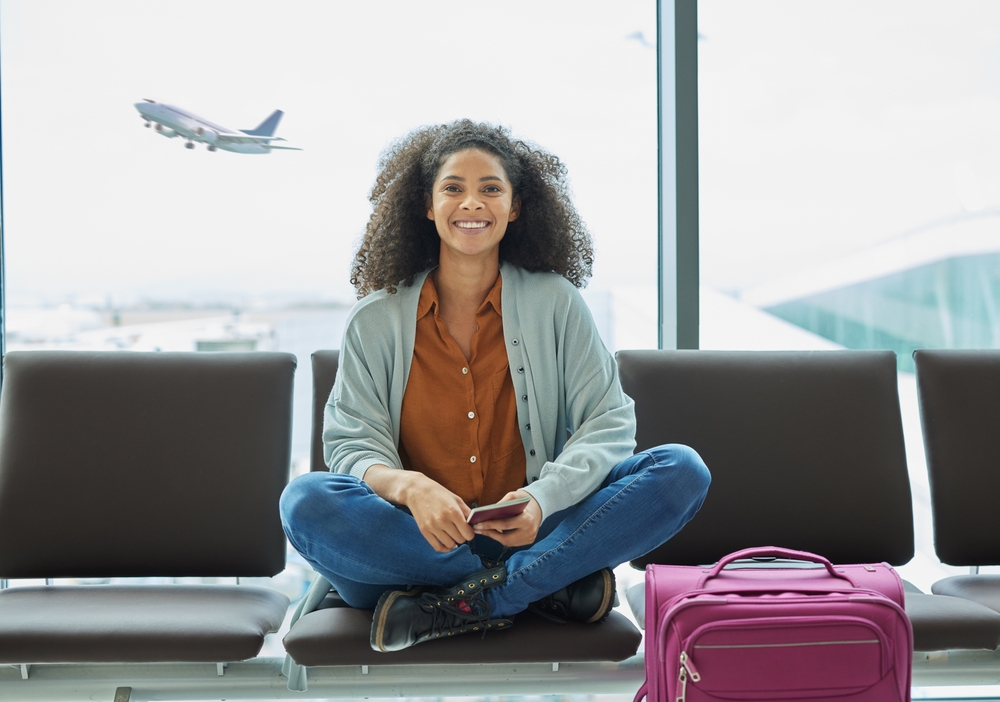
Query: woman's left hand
x,y
519,530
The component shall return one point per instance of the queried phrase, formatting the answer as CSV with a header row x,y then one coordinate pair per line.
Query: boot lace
x,y
464,613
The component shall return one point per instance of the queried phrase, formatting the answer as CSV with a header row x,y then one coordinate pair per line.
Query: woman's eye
x,y
491,189
451,189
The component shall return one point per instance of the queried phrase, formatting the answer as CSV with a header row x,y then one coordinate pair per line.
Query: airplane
x,y
172,122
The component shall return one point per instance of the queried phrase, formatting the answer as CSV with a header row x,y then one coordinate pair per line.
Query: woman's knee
x,y
684,465
311,496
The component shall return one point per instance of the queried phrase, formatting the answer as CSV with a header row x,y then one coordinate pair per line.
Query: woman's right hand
x,y
440,514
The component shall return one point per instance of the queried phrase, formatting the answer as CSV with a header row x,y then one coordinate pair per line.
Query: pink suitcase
x,y
776,631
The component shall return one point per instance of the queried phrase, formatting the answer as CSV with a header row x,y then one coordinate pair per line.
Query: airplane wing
x,y
246,138
286,148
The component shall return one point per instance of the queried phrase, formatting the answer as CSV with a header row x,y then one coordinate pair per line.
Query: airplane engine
x,y
168,133
207,135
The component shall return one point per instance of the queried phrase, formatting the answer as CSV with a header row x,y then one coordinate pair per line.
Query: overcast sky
x,y
825,127
96,205
829,126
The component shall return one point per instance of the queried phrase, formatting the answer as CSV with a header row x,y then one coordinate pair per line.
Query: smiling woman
x,y
471,205
402,238
470,327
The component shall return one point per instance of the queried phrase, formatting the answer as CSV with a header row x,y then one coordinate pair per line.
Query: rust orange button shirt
x,y
459,418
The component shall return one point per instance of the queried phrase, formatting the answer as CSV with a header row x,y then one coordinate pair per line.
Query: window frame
x,y
677,99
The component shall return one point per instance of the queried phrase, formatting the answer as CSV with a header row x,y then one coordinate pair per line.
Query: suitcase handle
x,y
776,552
642,692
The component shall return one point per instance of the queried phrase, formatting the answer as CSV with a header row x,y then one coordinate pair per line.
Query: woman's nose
x,y
472,202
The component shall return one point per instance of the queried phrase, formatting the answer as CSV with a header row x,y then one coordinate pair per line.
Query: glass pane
x,y
850,186
119,238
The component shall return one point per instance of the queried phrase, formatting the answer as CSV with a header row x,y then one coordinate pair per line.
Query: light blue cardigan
x,y
576,422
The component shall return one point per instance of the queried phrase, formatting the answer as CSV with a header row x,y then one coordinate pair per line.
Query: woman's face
x,y
471,204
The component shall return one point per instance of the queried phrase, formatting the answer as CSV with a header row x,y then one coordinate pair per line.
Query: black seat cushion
x,y
943,623
341,636
136,624
805,448
984,589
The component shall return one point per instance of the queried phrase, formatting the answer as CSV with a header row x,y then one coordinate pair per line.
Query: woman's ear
x,y
429,204
515,208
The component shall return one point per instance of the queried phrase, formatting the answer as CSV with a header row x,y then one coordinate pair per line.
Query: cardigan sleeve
x,y
357,421
599,416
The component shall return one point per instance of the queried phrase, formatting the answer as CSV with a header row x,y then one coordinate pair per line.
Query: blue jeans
x,y
364,545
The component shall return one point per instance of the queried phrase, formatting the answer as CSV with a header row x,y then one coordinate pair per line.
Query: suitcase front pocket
x,y
776,658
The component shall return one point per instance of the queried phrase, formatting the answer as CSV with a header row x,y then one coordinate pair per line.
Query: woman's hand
x,y
440,514
520,530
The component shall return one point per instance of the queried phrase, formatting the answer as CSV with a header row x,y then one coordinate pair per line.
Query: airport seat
x,y
159,465
334,634
341,636
806,451
959,396
324,373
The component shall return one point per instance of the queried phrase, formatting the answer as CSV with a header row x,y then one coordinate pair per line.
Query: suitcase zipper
x,y
689,672
687,669
788,645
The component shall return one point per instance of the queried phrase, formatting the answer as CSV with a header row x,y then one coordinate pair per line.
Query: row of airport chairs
x,y
170,465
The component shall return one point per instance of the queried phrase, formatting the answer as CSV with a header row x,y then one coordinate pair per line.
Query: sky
x,y
825,128
828,127
98,208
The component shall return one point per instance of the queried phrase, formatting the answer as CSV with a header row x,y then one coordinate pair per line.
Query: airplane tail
x,y
267,127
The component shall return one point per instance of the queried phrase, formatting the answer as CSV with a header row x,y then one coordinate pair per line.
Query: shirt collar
x,y
429,298
493,298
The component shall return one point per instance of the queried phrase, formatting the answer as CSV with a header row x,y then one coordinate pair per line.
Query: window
x,y
850,187
118,238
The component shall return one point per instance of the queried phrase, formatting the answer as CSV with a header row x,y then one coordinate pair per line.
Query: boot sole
x,y
609,592
381,612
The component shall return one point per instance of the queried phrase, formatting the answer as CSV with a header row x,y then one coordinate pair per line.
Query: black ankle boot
x,y
404,618
590,599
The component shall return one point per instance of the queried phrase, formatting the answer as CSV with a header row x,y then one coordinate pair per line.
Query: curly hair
x,y
399,241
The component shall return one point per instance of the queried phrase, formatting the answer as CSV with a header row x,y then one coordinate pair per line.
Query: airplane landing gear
x,y
189,145
211,147
147,124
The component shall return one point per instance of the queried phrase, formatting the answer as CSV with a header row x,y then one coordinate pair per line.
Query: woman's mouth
x,y
472,224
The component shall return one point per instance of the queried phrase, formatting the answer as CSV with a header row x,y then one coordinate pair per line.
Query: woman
x,y
471,372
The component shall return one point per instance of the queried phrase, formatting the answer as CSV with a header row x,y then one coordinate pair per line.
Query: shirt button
x,y
524,397
514,341
472,460
472,415
521,369
465,371
533,453
528,427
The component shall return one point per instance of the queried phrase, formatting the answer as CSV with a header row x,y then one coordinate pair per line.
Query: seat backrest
x,y
116,464
324,368
805,450
959,397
